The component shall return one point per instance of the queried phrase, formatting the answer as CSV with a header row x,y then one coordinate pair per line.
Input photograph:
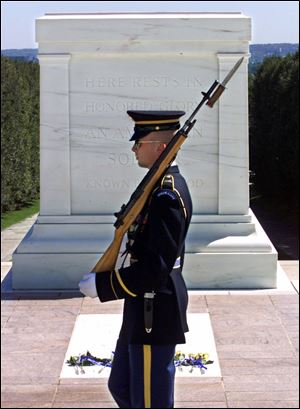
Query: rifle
x,y
129,212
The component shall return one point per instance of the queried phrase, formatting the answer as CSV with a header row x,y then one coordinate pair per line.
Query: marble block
x,y
95,67
97,333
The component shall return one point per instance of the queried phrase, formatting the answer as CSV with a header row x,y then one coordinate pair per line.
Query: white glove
x,y
88,285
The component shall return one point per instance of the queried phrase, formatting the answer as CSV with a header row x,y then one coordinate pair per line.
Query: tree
x,y
19,133
274,126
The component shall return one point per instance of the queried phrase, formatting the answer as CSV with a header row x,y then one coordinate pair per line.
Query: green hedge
x,y
274,127
19,133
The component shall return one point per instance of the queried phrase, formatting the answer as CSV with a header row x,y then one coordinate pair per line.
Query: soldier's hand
x,y
88,285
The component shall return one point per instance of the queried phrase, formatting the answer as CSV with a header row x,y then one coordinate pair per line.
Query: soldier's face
x,y
147,150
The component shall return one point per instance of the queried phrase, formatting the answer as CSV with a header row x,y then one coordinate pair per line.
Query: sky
x,y
272,21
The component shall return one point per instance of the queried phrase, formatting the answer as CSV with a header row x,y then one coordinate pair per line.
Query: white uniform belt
x,y
177,263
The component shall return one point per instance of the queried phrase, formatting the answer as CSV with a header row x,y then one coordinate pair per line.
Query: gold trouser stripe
x,y
154,122
147,375
123,285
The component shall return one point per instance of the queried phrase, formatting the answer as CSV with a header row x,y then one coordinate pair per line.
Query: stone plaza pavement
x,y
256,336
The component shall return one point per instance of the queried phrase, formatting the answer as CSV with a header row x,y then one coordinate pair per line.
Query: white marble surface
x,y
101,171
94,67
86,131
220,253
98,333
131,32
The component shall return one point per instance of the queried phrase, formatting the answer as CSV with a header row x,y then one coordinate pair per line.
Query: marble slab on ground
x,y
296,285
98,333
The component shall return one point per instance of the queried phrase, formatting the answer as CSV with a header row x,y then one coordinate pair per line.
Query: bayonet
x,y
232,72
221,87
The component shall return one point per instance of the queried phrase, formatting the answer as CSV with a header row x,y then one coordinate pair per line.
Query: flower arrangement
x,y
193,361
198,360
88,360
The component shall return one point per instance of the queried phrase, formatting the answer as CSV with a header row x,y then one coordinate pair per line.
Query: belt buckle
x,y
149,295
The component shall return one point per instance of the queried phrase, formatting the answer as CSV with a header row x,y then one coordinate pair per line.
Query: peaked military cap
x,y
150,121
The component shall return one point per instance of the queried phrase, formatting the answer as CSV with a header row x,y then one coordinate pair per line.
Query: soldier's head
x,y
152,132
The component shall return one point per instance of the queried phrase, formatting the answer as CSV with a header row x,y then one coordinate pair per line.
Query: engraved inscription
x,y
159,81
195,183
111,184
123,106
123,184
119,134
107,133
123,159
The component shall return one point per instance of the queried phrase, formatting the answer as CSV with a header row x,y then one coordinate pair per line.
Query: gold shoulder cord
x,y
121,282
168,183
112,286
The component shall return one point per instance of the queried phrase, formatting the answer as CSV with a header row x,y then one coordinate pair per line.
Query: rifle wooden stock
x,y
108,260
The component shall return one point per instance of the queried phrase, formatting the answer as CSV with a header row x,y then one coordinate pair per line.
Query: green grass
x,y
10,218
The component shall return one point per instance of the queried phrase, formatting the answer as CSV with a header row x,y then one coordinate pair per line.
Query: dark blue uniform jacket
x,y
156,247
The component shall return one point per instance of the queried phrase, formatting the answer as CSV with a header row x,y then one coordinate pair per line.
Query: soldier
x,y
154,315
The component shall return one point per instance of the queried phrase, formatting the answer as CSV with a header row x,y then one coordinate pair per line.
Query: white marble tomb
x,y
94,67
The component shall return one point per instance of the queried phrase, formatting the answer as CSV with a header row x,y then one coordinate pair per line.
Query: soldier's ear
x,y
161,147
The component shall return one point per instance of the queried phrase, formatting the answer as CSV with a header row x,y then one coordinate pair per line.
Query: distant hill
x,y
27,54
258,53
